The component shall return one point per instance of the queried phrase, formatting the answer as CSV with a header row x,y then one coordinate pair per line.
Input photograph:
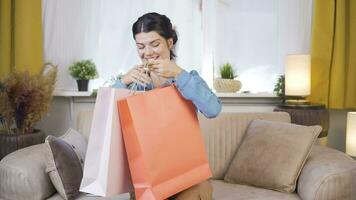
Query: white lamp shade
x,y
297,75
351,134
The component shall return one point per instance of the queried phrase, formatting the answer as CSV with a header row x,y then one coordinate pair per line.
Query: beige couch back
x,y
222,135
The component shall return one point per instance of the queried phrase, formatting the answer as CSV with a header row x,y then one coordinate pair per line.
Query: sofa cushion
x,y
23,175
224,133
272,155
227,191
201,191
77,141
64,167
83,196
328,174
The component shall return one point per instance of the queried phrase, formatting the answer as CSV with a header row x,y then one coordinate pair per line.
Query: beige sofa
x,y
327,175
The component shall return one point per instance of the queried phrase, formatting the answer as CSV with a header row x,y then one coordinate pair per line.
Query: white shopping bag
x,y
106,171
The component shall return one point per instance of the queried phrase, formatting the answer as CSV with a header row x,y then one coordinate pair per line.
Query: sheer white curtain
x,y
255,36
68,35
101,30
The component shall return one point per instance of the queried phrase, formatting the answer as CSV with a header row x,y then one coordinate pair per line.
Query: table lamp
x,y
351,134
297,78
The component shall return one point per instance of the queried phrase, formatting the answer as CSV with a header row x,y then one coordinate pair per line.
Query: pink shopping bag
x,y
106,171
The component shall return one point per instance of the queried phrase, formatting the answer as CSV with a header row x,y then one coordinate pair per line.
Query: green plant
x,y
25,99
227,71
279,87
83,70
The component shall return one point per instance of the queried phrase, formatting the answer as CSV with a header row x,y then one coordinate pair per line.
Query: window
x,y
253,35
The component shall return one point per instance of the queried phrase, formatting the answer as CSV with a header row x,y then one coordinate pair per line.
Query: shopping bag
x,y
163,141
106,171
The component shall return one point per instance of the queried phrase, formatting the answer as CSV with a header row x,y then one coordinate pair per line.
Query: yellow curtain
x,y
333,54
20,36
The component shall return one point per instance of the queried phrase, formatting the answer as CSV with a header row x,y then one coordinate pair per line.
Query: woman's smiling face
x,y
151,46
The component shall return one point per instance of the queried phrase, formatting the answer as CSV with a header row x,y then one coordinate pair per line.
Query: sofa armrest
x,y
327,174
23,175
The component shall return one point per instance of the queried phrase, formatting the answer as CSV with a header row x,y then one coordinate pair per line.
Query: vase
x,y
226,85
12,142
82,85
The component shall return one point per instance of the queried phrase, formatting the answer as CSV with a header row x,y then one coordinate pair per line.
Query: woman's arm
x,y
190,85
194,88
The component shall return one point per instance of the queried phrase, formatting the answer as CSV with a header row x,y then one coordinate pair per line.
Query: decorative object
x,y
297,78
279,88
12,142
285,145
63,167
227,83
308,115
24,100
83,71
351,134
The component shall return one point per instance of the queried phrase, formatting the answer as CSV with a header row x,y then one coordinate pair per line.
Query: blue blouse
x,y
193,88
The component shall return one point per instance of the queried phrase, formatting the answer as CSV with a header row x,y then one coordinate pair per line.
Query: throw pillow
x,y
77,141
63,167
272,155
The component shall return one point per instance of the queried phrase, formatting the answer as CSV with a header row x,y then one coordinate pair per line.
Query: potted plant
x,y
83,71
279,88
24,100
227,82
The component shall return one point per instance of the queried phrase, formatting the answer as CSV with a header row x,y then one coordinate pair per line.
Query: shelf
x,y
246,95
69,93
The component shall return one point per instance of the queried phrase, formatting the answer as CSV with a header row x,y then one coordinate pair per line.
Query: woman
x,y
155,39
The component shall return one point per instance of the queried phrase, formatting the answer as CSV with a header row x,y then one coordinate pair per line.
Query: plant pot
x,y
12,142
226,85
82,85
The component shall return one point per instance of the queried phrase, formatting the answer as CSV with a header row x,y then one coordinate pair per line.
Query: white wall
x,y
337,129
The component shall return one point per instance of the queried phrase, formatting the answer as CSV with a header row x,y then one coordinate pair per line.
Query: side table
x,y
308,115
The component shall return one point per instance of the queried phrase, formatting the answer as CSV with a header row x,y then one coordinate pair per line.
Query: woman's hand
x,y
137,75
165,68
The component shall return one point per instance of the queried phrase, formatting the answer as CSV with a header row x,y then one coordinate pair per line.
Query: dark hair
x,y
158,23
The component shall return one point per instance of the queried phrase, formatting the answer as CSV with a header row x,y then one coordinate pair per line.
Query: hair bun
x,y
174,36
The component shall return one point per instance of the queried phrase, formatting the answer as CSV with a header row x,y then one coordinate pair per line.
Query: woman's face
x,y
152,46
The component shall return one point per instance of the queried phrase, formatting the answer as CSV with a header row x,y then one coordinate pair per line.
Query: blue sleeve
x,y
194,88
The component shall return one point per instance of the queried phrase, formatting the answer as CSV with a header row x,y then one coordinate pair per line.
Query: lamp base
x,y
297,101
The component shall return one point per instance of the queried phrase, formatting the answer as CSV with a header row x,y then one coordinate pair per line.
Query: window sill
x,y
246,95
226,98
249,99
69,93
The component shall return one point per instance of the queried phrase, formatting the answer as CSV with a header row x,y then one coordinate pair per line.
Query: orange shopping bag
x,y
164,144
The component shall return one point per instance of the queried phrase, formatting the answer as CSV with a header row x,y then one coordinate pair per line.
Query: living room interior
x,y
287,61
